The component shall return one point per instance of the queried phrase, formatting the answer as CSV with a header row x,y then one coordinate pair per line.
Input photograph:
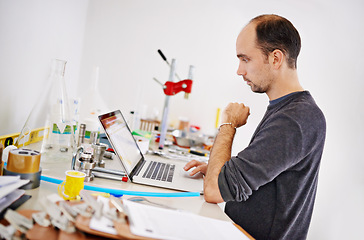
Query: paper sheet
x,y
5,180
10,186
162,223
10,198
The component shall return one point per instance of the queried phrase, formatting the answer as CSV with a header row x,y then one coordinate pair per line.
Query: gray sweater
x,y
270,186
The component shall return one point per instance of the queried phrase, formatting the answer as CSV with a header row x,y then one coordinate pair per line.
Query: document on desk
x,y
9,191
8,184
155,222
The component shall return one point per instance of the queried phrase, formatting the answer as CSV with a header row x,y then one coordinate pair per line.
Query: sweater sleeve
x,y
276,146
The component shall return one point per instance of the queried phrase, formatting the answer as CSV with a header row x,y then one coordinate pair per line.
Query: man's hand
x,y
198,167
236,113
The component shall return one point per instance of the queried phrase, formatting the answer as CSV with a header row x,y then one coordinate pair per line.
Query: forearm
x,y
235,115
220,153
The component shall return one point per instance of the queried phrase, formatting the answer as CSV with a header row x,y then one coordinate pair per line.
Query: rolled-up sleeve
x,y
235,189
224,187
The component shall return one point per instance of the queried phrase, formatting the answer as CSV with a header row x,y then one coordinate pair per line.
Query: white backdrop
x,y
122,38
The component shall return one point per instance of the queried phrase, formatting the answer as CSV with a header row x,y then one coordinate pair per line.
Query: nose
x,y
241,69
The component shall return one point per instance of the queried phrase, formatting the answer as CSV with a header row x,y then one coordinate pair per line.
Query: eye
x,y
244,59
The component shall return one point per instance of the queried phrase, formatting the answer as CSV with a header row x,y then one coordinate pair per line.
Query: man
x,y
269,187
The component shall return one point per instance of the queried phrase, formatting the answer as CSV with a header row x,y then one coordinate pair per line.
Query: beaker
x,y
49,127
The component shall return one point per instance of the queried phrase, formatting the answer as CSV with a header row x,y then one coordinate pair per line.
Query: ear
x,y
277,58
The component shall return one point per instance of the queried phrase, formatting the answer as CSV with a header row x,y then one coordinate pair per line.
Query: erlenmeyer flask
x,y
49,128
91,106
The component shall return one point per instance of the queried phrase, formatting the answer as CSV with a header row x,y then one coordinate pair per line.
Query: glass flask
x,y
91,106
50,127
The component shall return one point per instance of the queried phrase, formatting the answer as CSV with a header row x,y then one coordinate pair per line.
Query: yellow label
x,y
27,138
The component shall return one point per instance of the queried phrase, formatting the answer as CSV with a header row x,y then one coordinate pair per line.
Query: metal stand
x,y
164,124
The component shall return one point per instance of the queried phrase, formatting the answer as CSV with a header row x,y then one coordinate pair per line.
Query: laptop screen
x,y
121,139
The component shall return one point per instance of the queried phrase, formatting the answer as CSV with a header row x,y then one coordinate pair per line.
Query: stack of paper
x,y
9,191
155,222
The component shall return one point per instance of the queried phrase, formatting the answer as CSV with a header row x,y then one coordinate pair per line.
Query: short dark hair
x,y
276,32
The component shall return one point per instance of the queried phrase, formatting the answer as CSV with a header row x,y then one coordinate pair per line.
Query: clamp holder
x,y
172,88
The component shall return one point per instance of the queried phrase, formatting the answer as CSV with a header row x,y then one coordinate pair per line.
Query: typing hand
x,y
197,167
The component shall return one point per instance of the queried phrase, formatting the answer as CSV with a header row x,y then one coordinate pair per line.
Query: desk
x,y
57,170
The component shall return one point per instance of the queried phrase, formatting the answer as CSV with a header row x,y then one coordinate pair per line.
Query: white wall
x,y
122,38
31,34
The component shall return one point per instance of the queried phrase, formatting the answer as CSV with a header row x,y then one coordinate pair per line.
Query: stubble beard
x,y
256,88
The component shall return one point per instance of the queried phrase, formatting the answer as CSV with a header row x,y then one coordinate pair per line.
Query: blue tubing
x,y
119,192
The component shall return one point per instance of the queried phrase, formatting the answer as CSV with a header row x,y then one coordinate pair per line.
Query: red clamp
x,y
172,88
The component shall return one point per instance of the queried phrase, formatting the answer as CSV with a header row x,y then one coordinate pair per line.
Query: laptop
x,y
149,170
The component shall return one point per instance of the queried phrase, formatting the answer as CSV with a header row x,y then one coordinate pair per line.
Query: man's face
x,y
254,66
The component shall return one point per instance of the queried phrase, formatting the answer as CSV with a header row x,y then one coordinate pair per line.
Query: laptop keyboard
x,y
159,171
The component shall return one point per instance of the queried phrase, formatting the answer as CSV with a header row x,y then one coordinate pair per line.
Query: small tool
x,y
7,232
58,219
93,203
116,202
18,221
41,219
198,153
